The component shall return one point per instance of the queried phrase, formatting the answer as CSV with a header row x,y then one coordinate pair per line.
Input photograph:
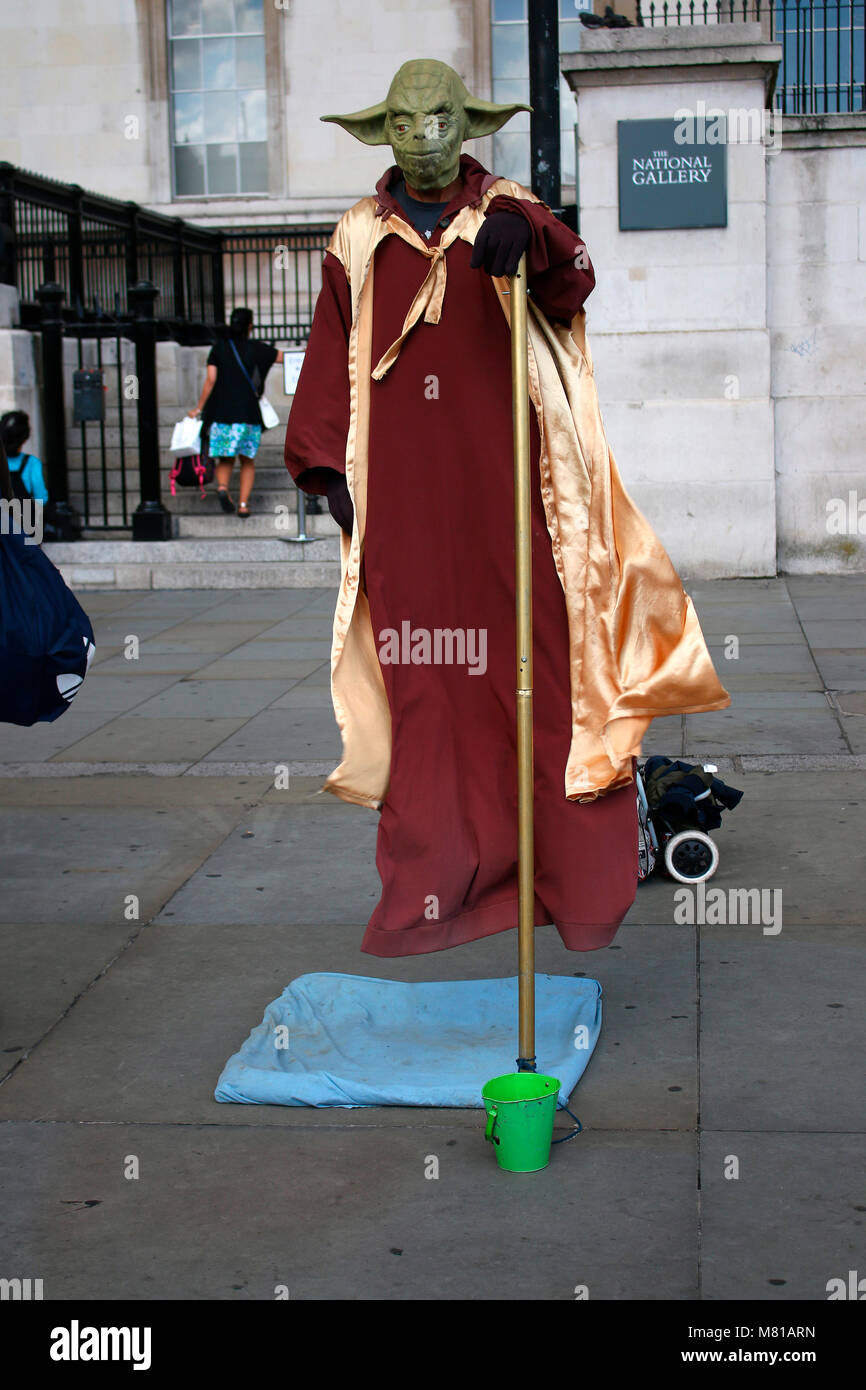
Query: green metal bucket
x,y
520,1112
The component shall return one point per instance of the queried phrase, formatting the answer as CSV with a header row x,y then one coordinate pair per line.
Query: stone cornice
x,y
673,53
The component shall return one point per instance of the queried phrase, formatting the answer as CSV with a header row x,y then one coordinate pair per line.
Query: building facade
x,y
730,360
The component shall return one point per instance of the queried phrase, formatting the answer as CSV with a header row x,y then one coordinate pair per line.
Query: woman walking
x,y
237,369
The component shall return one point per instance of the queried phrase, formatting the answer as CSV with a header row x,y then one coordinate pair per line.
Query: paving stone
x,y
302,626
746,619
288,649
716,635
199,697
774,657
840,665
834,605
179,660
275,604
218,633
106,693
319,680
178,739
788,1224
289,842
128,1025
754,731
771,700
783,1028
116,627
854,727
304,696
138,854
188,995
33,742
285,671
284,735
664,736
842,634
225,1215
773,682
45,966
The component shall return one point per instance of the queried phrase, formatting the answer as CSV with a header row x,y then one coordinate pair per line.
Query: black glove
x,y
340,503
501,241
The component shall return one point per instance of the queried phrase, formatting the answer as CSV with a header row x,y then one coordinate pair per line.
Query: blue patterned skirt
x,y
225,441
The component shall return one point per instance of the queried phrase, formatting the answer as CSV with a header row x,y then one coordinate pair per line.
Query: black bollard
x,y
150,520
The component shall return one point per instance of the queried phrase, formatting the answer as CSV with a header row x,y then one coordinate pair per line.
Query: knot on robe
x,y
428,301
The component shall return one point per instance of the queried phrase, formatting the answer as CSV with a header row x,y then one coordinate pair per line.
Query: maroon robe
x,y
439,553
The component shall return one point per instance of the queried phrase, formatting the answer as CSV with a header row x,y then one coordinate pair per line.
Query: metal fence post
x,y
64,520
77,287
8,267
302,519
218,283
150,520
180,307
131,244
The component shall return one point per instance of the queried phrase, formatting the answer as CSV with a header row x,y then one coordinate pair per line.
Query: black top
x,y
423,216
232,402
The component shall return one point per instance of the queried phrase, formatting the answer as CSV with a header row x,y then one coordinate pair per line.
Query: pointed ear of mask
x,y
486,117
367,126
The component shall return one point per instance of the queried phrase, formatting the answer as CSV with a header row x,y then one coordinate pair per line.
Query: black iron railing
x,y
823,68
101,460
115,277
96,247
276,272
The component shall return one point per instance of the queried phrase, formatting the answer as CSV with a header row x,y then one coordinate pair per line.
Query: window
x,y
824,54
218,100
511,83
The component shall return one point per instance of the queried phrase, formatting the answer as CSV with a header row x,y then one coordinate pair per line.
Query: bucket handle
x,y
491,1123
572,1134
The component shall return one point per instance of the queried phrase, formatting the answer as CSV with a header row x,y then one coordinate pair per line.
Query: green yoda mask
x,y
425,118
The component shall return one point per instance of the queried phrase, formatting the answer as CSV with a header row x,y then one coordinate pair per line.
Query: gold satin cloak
x,y
636,647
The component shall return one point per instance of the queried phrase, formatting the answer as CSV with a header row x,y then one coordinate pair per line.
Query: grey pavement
x,y
169,868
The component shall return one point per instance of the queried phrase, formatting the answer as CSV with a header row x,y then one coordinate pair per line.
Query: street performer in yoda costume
x,y
402,419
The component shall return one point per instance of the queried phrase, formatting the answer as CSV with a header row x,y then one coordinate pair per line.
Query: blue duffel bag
x,y
46,638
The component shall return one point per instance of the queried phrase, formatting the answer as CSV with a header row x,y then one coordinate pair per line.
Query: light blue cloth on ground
x,y
344,1040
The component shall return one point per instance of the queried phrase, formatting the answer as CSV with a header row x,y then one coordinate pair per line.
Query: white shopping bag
x,y
186,437
270,418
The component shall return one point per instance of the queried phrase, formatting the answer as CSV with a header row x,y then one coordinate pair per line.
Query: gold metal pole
x,y
523,598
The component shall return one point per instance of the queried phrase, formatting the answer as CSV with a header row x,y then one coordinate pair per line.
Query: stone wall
x,y
86,96
73,75
816,286
729,361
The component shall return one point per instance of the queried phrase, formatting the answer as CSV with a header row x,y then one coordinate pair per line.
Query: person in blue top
x,y
25,469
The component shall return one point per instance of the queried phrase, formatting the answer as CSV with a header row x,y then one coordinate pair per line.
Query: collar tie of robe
x,y
428,301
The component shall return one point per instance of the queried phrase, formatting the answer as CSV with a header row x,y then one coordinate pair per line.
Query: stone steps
x,y
266,480
198,563
209,549
215,525
212,523
274,513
